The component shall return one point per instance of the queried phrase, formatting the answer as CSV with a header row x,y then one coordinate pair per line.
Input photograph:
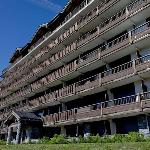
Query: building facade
x,y
86,72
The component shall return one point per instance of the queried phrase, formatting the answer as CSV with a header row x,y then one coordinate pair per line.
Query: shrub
x,y
118,138
59,139
44,140
81,139
2,142
93,139
106,139
135,137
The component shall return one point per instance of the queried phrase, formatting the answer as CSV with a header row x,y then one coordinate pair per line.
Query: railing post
x,y
76,26
100,79
98,30
9,135
101,109
75,65
86,2
138,98
99,53
97,10
127,12
134,65
130,36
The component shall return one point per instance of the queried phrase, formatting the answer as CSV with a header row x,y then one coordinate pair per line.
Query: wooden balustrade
x,y
117,106
90,35
122,71
111,22
136,6
118,72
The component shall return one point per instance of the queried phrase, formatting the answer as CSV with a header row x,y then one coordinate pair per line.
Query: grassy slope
x,y
125,146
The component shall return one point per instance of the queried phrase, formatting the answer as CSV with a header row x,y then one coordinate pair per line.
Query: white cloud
x,y
47,4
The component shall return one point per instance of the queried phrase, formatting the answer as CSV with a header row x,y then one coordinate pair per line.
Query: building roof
x,y
22,116
49,26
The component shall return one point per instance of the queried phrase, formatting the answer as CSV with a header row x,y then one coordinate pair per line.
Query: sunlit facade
x,y
86,72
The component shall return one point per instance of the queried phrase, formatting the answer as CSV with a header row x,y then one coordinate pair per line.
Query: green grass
x,y
115,146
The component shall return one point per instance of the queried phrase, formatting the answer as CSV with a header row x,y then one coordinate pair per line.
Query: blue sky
x,y
19,20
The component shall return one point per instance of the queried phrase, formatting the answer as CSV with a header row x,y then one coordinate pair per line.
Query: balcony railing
x,y
87,37
118,73
136,6
136,34
105,50
88,83
84,20
141,63
65,35
99,110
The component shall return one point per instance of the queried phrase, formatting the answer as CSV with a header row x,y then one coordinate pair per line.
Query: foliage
x,y
2,142
135,137
44,140
118,138
59,139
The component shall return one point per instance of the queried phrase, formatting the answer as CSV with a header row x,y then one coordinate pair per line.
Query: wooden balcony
x,y
136,6
108,24
60,118
136,34
89,17
109,109
113,21
118,73
121,71
88,84
88,37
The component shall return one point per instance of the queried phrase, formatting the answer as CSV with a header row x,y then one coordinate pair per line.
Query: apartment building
x,y
86,72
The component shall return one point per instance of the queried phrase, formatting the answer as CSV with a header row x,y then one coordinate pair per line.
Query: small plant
x,y
135,137
93,139
59,139
44,140
2,142
118,138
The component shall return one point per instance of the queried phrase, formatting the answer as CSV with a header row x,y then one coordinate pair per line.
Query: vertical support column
x,y
110,97
138,89
143,124
87,130
28,134
107,66
127,11
135,56
18,136
130,36
63,131
63,106
112,127
21,141
5,137
9,135
77,130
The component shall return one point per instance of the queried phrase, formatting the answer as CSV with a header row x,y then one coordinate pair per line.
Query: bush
x,y
2,142
135,137
93,139
59,139
118,138
44,140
